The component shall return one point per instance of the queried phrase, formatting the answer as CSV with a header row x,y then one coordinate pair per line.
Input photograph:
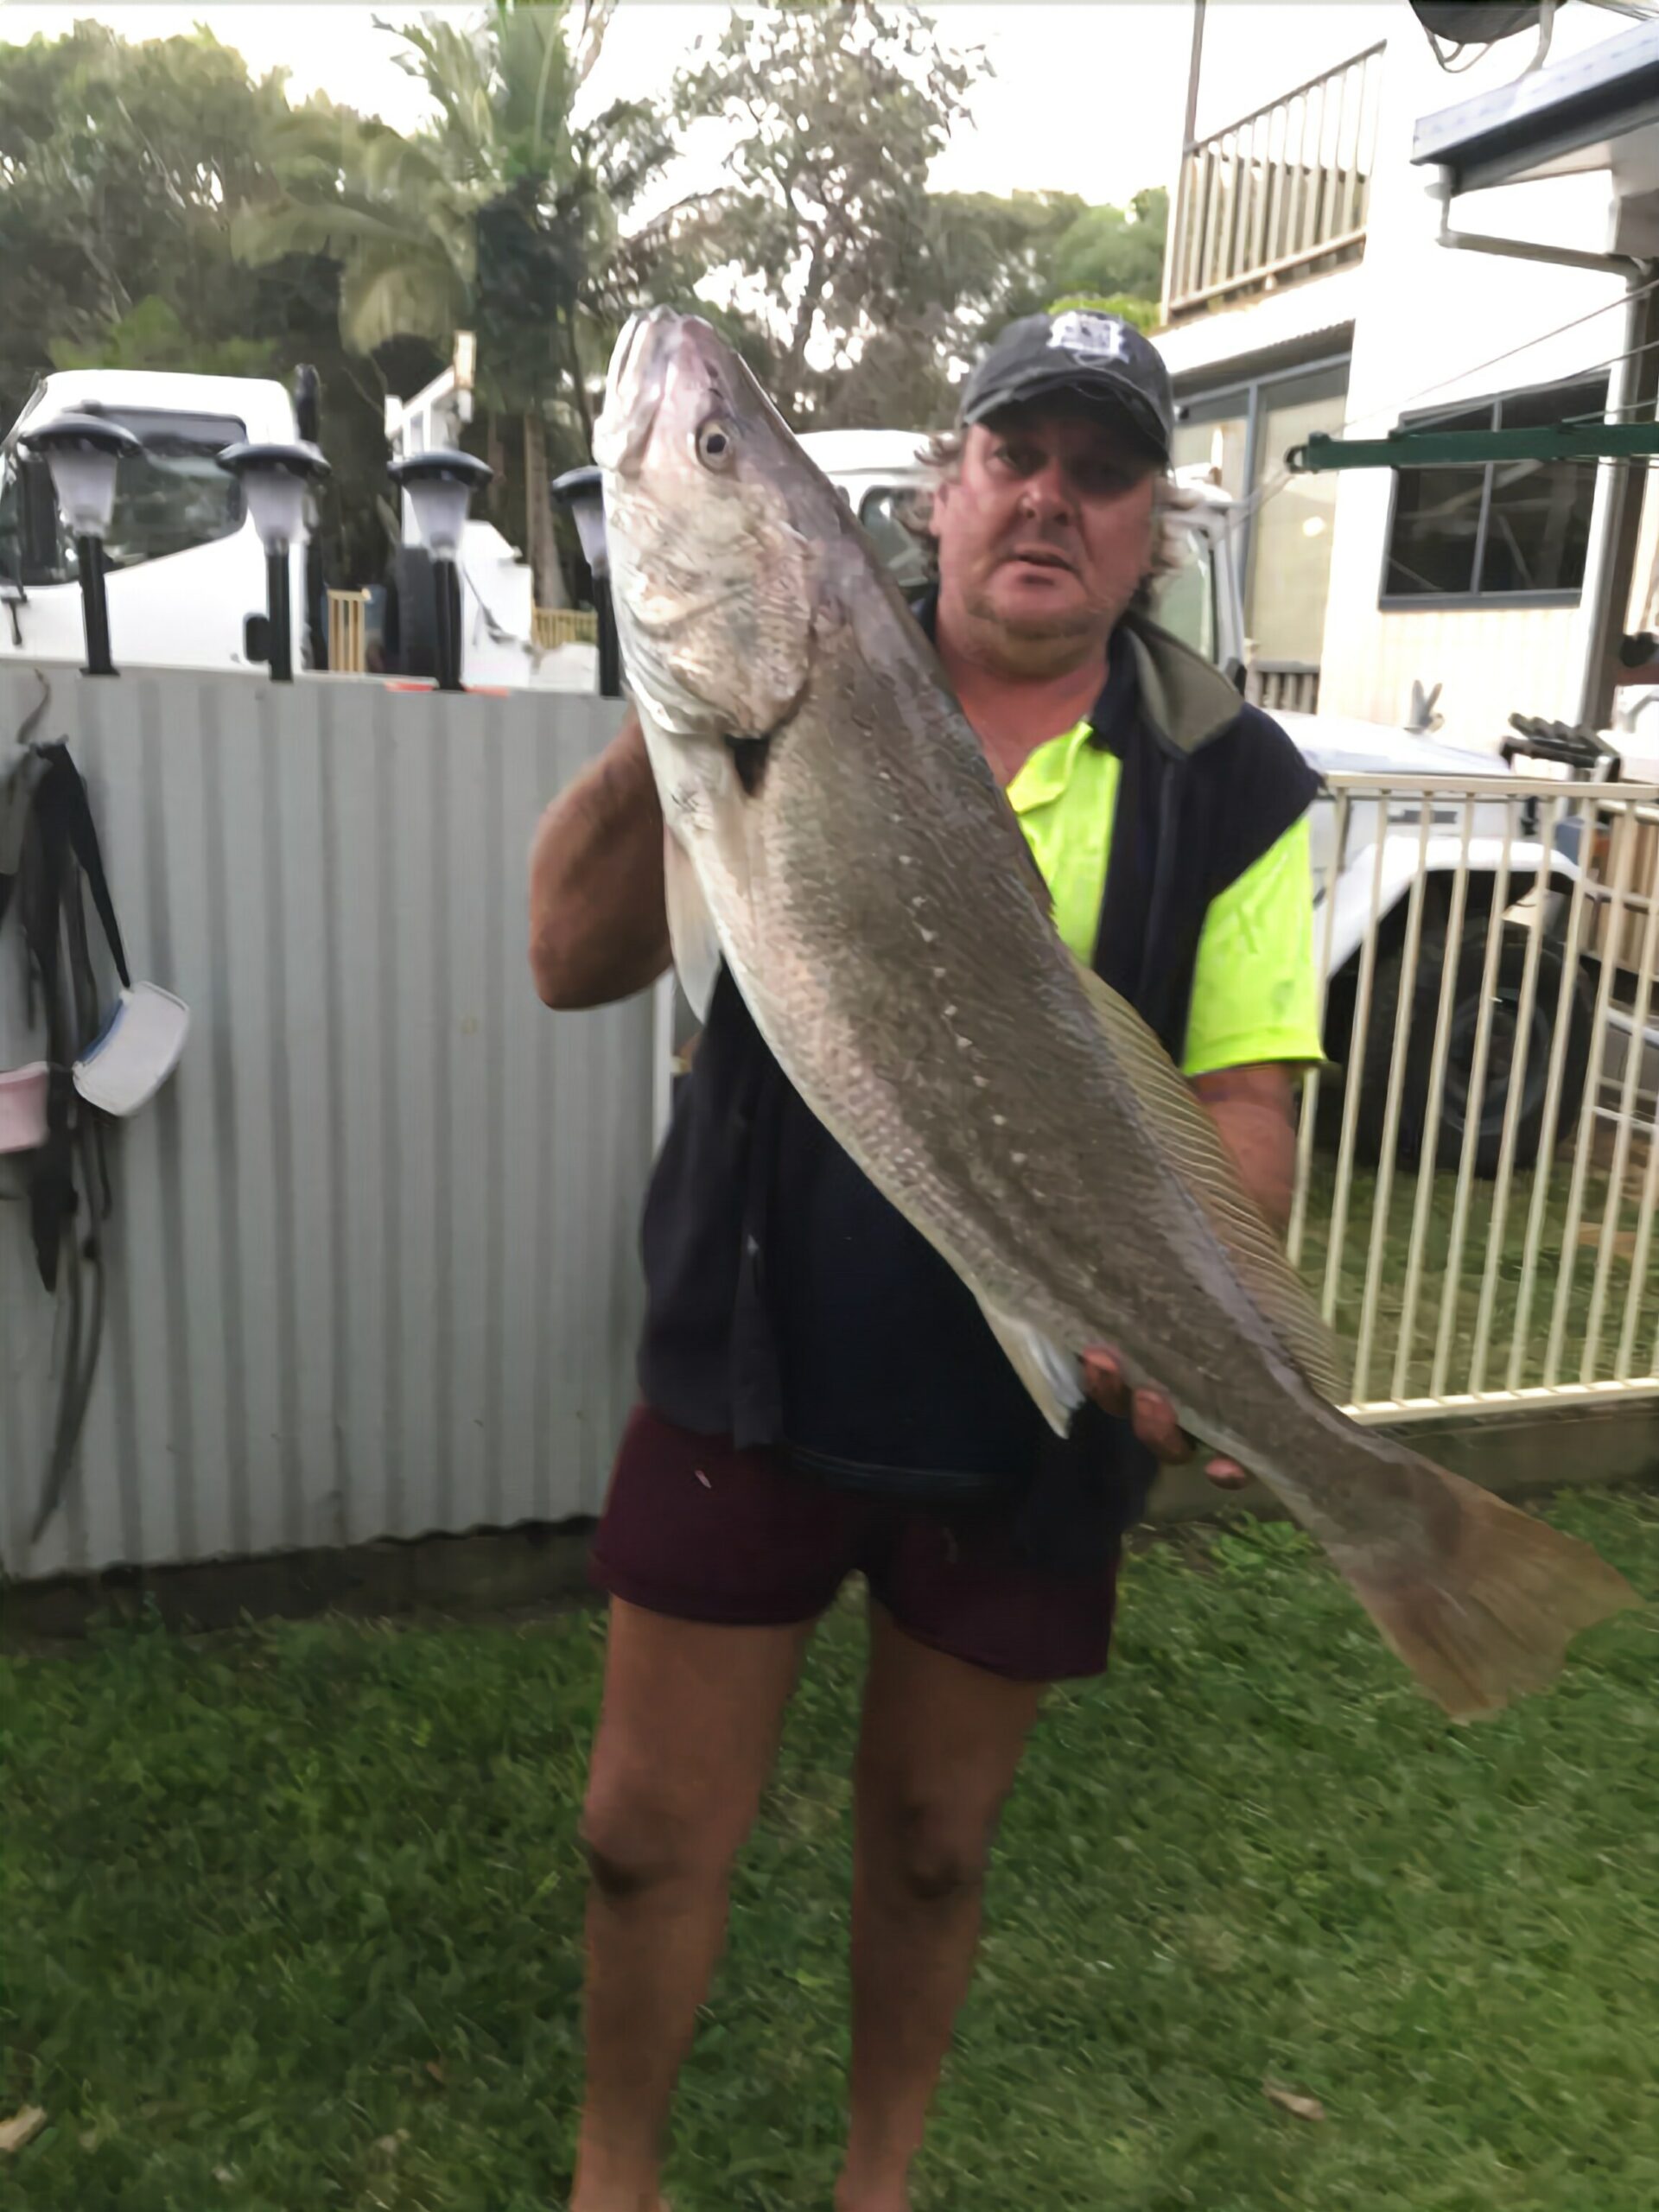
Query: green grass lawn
x,y
289,1919
1438,1288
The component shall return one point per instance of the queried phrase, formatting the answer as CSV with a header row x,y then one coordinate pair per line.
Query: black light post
x,y
440,486
83,452
581,490
274,480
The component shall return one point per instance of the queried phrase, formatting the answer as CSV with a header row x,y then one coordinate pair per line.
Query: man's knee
x,y
923,1854
634,1844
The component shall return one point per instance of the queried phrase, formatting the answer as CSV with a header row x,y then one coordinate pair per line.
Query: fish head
x,y
715,521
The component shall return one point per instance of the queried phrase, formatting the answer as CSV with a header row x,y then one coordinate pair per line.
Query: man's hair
x,y
941,456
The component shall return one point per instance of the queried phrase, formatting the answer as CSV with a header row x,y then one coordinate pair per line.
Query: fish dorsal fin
x,y
1192,1146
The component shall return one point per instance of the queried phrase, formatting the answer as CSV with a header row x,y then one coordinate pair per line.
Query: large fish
x,y
836,837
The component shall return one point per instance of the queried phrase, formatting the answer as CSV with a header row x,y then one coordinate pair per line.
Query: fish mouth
x,y
633,389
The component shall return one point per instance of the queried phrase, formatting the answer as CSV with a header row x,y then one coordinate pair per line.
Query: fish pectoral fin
x,y
691,927
1050,1377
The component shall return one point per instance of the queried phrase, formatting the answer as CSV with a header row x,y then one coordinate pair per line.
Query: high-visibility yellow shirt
x,y
1255,993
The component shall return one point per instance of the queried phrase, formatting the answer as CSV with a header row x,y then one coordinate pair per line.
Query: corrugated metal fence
x,y
373,1259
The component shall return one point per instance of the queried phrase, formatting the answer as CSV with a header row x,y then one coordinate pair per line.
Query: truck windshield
x,y
170,497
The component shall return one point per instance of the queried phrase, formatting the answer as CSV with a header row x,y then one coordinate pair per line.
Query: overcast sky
x,y
1088,95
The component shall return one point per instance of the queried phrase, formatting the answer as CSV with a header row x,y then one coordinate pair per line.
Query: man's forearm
x,y
1253,1108
598,925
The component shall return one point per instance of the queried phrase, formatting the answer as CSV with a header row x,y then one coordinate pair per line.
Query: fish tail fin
x,y
1479,1599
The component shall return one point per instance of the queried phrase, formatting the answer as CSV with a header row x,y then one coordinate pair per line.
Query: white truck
x,y
877,471
185,571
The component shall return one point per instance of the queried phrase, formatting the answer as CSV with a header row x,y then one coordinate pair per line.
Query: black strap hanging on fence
x,y
48,844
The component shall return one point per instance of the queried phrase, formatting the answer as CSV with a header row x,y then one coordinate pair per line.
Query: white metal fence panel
x,y
1475,1203
373,1260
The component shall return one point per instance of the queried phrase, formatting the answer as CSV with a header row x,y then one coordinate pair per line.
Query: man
x,y
821,1395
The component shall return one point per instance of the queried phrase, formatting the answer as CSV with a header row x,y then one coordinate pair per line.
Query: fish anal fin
x,y
1047,1373
691,927
1192,1146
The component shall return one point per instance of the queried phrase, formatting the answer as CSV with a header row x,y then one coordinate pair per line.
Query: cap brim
x,y
1098,389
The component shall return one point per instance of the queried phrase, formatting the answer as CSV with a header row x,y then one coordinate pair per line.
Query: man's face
x,y
1047,532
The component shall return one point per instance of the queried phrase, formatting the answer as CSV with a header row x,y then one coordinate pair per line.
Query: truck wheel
x,y
1457,1103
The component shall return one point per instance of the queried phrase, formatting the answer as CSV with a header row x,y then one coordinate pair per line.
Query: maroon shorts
x,y
697,1530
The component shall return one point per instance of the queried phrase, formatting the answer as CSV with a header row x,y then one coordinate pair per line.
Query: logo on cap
x,y
1089,337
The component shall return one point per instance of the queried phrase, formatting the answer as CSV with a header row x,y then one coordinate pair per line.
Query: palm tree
x,y
500,215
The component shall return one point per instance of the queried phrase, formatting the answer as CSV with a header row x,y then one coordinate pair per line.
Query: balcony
x,y
1283,192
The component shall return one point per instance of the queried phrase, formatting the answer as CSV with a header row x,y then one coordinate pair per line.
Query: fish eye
x,y
717,446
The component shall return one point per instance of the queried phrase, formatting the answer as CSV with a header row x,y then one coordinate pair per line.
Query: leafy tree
x,y
884,291
501,216
121,169
840,107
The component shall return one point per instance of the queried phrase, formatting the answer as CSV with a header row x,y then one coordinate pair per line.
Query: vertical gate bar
x,y
1613,925
1351,1081
1453,1280
1635,1289
1615,1204
1499,1221
1427,1160
1311,1080
1384,1192
1543,1170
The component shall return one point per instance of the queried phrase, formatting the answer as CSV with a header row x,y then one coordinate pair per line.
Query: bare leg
x,y
941,1743
686,1739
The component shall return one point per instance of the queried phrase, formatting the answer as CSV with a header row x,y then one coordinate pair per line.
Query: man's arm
x,y
1253,1110
598,924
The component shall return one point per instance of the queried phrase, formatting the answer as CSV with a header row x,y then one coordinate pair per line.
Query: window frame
x,y
1430,603
1213,402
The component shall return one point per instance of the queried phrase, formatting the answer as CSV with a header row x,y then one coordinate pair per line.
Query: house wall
x,y
1426,322
1430,320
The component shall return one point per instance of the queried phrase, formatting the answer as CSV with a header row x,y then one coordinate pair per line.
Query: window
x,y
1501,530
1290,546
1281,545
1186,602
172,496
1214,434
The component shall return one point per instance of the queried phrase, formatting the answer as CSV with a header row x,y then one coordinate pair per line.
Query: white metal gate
x,y
1476,1192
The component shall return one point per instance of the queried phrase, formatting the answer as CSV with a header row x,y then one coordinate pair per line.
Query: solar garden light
x,y
83,452
440,486
582,491
275,479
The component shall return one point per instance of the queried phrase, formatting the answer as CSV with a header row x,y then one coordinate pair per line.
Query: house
x,y
1310,284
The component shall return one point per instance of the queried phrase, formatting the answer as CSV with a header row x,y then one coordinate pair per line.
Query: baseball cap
x,y
1097,357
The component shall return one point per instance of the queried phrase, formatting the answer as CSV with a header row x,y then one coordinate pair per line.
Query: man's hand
x,y
1150,1416
1253,1111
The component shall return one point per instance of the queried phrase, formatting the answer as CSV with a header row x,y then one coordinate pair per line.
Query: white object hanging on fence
x,y
136,1052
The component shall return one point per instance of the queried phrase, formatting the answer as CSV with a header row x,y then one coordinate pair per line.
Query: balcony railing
x,y
1282,192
